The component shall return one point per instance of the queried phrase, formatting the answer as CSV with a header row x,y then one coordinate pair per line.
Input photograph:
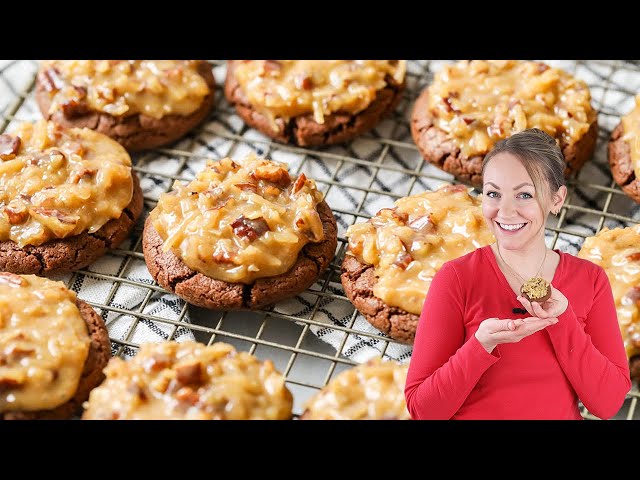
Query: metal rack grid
x,y
357,179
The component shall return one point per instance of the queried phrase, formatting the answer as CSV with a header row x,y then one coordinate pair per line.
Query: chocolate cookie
x,y
444,151
72,253
617,251
304,130
358,280
371,391
190,381
621,164
198,289
134,132
92,375
391,258
241,234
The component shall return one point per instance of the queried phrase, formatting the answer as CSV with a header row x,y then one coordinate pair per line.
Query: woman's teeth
x,y
512,227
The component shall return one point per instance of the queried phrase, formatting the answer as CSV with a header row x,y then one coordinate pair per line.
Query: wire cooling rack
x,y
318,334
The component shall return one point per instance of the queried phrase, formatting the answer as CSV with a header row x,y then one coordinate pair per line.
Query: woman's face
x,y
509,203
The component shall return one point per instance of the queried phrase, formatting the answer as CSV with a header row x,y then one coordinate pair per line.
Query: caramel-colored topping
x,y
60,182
408,244
240,220
481,102
289,88
535,288
43,343
190,381
124,87
618,252
372,391
631,126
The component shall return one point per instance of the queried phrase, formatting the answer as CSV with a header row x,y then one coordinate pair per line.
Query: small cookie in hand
x,y
536,290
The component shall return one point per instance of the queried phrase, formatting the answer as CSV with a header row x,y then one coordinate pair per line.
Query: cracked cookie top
x,y
409,243
57,182
124,87
192,381
239,220
372,391
478,103
289,88
631,125
43,343
618,252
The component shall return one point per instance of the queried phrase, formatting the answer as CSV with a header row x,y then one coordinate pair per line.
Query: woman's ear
x,y
558,199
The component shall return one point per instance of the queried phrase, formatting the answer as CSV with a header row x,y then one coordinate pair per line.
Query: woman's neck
x,y
527,260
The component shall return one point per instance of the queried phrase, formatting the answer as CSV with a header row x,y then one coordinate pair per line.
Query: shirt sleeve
x,y
593,357
444,368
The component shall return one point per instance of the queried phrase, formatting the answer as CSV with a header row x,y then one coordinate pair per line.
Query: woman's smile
x,y
511,228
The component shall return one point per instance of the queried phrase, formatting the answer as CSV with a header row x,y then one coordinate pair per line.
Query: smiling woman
x,y
472,359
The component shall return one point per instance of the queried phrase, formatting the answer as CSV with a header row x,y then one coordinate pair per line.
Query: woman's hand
x,y
552,308
494,331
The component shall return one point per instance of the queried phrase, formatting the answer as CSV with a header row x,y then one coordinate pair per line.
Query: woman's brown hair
x,y
541,157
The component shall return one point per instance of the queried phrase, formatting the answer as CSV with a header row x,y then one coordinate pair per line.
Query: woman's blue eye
x,y
526,195
492,194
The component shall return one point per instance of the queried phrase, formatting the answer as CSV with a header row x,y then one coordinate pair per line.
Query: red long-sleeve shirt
x,y
541,377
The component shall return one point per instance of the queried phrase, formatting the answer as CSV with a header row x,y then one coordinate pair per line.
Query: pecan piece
x,y
7,383
250,229
53,155
61,217
73,147
81,91
17,353
271,190
495,130
106,93
299,183
220,255
634,294
156,363
541,67
273,174
74,108
403,259
401,217
50,79
453,188
448,102
137,391
303,82
13,279
270,66
422,224
189,374
17,215
83,173
187,395
634,257
247,187
9,146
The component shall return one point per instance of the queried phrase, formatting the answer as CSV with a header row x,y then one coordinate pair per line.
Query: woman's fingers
x,y
523,328
526,304
495,325
539,311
